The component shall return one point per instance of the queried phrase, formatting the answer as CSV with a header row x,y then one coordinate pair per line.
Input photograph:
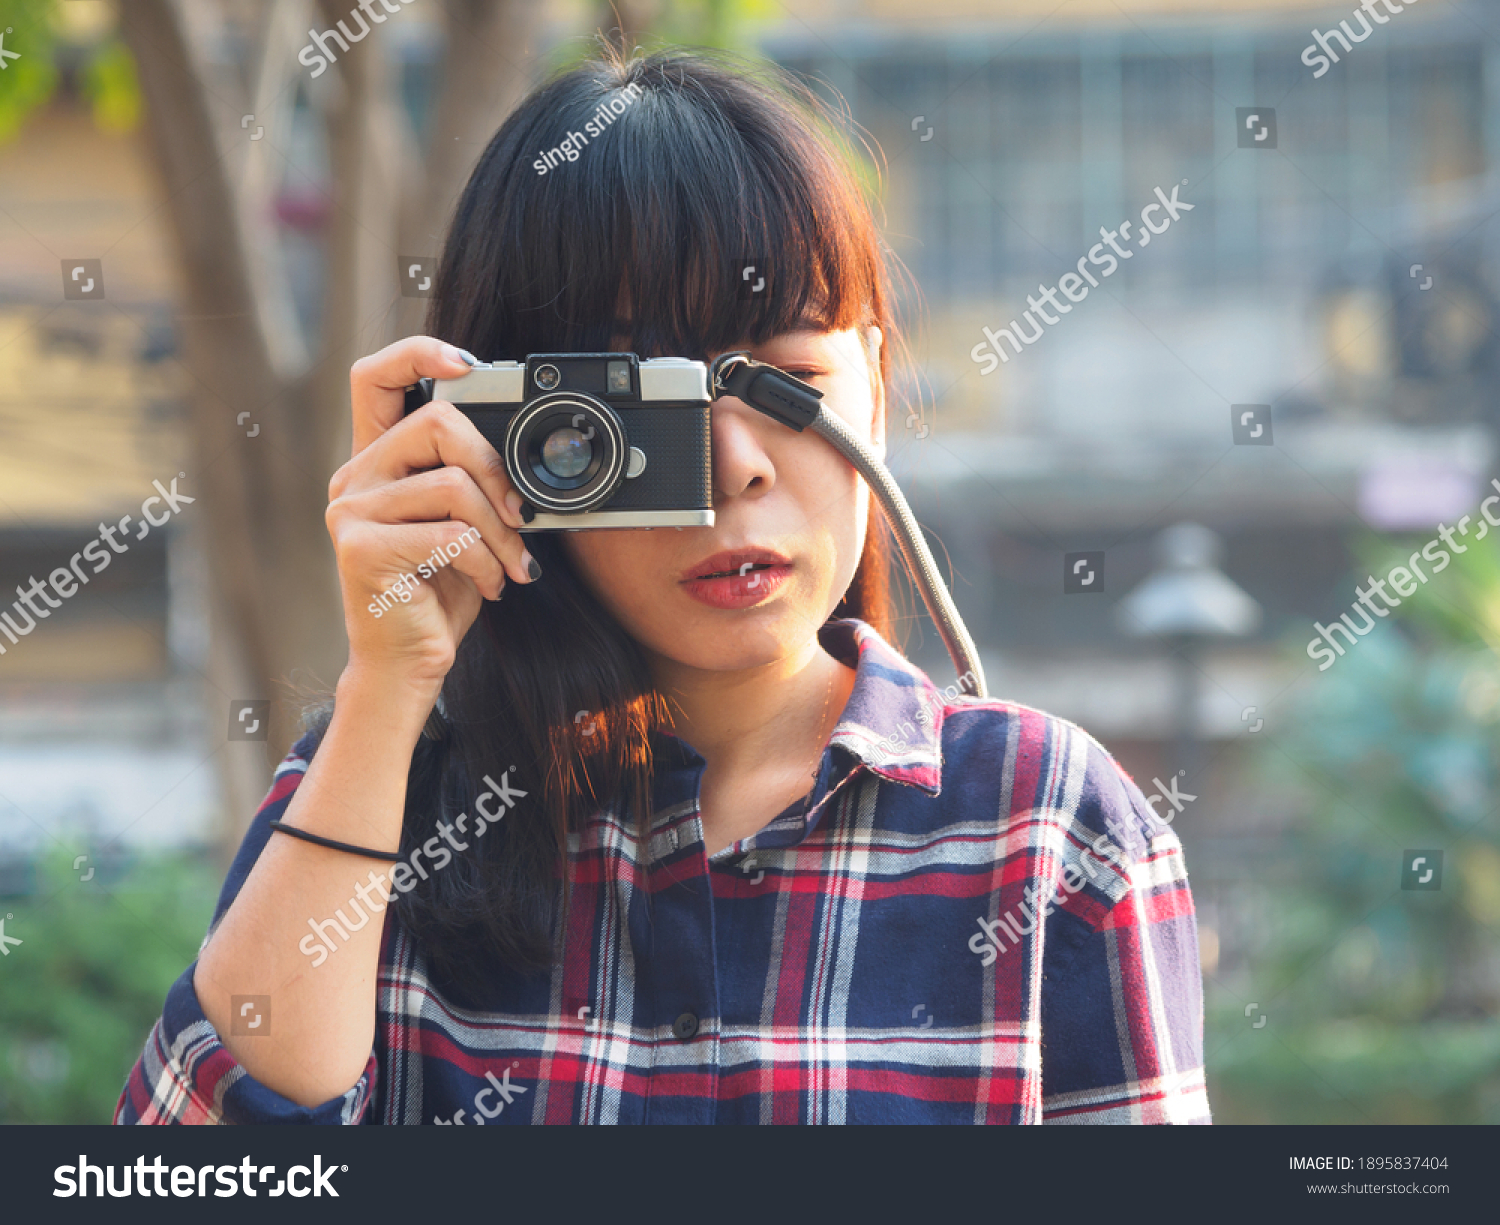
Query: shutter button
x,y
685,1026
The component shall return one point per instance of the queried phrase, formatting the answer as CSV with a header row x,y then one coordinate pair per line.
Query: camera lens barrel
x,y
566,452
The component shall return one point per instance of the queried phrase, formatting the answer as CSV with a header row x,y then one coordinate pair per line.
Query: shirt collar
x,y
892,723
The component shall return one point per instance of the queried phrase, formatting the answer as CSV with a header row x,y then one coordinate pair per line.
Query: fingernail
x,y
513,503
531,567
528,513
454,353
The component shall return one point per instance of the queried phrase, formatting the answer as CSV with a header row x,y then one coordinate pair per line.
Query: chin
x,y
717,641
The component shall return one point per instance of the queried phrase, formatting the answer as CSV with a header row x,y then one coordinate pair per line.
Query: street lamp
x,y
1184,603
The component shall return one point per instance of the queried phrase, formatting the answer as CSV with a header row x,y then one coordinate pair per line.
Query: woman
x,y
801,883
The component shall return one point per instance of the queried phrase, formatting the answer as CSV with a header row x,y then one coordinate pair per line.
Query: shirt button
x,y
685,1026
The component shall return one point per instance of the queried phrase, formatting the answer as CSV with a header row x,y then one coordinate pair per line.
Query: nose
x,y
742,463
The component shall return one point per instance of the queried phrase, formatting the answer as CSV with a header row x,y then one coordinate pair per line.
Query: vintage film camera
x,y
594,440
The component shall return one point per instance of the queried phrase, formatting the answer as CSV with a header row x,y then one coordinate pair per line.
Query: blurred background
x,y
243,229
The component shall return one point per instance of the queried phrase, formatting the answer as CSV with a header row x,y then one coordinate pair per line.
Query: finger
x,y
435,436
400,558
443,493
378,381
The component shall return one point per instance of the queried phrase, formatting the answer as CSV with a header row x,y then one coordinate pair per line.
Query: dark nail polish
x,y
534,570
528,512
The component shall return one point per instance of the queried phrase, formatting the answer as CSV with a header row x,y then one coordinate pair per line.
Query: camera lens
x,y
566,452
547,377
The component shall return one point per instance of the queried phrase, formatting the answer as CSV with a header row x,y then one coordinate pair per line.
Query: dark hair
x,y
708,163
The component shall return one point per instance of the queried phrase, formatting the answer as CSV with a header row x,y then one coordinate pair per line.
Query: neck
x,y
742,721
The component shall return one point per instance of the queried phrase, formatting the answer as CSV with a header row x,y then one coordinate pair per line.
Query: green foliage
x,y
710,23
1383,999
111,87
41,33
79,995
25,83
719,24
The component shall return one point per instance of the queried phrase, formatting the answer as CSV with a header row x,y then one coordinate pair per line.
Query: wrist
x,y
396,705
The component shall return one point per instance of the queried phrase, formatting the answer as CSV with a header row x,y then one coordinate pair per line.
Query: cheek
x,y
594,566
836,502
619,568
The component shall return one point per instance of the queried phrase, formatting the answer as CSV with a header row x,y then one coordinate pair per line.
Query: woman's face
x,y
775,490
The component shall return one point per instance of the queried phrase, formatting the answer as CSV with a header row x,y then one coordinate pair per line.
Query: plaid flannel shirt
x,y
977,919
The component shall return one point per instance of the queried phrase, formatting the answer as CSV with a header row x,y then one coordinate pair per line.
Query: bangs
x,y
686,205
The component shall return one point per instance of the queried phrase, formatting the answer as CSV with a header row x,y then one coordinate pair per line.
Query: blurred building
x,y
102,739
1013,133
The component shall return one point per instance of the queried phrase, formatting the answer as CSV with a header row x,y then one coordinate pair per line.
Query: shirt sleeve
x,y
186,1074
1122,991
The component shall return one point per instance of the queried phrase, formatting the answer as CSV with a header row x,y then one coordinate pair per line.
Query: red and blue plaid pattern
x,y
829,969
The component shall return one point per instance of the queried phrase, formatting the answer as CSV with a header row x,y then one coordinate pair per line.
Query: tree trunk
x,y
268,428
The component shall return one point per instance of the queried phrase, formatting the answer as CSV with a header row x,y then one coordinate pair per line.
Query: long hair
x,y
687,166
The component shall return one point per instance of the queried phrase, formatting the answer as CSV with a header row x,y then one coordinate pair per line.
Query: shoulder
x,y
1049,773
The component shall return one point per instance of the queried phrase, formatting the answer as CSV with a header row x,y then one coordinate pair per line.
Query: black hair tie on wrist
x,y
388,856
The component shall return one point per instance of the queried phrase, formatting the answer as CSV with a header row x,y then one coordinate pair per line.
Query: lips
x,y
733,562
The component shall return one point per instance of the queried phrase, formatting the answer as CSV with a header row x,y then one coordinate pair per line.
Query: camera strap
x,y
773,391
